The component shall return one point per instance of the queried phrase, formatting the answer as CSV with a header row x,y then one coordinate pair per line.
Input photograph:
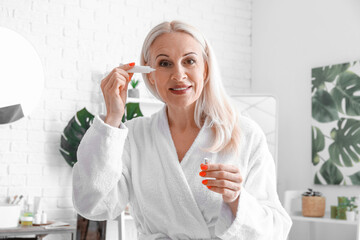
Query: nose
x,y
178,73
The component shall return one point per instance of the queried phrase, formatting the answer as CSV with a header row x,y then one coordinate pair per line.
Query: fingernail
x,y
202,174
209,187
204,167
132,64
130,76
205,181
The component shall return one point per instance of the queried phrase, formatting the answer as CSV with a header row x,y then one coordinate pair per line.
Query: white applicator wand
x,y
140,69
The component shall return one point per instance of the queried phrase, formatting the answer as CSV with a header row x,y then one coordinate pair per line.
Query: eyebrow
x,y
168,56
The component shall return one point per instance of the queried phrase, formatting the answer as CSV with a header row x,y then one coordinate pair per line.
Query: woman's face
x,y
180,69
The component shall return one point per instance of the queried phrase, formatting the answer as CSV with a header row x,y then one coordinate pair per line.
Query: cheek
x,y
159,80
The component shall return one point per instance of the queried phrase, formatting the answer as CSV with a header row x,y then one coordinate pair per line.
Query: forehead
x,y
174,43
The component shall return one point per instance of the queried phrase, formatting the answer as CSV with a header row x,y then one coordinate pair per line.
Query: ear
x,y
206,73
151,80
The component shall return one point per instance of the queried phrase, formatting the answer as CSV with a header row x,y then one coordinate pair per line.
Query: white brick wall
x,y
77,42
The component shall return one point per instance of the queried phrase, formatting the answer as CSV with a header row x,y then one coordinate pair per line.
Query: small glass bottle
x,y
37,219
26,221
43,217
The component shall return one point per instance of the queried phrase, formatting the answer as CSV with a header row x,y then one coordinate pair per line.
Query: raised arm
x,y
101,176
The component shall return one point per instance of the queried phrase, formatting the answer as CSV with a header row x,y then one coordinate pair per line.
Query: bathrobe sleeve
x,y
260,214
101,174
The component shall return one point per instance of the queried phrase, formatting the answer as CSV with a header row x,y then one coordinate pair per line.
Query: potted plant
x,y
351,206
134,92
313,204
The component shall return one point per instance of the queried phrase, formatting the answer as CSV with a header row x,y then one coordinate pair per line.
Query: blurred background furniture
x,y
292,204
38,231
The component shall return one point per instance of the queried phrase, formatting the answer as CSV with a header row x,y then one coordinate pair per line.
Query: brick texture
x,y
78,42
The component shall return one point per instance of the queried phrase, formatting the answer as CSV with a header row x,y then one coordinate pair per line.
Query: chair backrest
x,y
262,109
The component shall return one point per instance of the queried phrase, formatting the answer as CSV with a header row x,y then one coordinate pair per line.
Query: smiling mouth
x,y
180,89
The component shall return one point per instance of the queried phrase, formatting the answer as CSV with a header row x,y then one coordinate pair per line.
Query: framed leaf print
x,y
335,130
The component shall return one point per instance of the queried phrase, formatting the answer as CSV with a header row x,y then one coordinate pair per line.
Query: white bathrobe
x,y
137,164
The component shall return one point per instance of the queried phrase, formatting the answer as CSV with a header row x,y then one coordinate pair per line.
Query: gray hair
x,y
213,103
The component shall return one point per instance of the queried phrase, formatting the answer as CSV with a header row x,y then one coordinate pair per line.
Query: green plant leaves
x,y
134,83
336,97
323,107
345,147
355,178
347,89
79,124
316,179
321,75
133,111
331,173
318,144
73,133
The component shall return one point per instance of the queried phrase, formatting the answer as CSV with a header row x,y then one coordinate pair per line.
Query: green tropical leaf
x,y
316,179
345,147
355,178
133,111
331,173
73,133
346,90
79,124
318,144
85,118
323,107
321,75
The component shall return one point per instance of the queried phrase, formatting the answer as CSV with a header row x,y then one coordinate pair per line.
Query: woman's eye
x,y
164,64
190,61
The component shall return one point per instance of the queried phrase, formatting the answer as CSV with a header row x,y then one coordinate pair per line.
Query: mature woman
x,y
156,164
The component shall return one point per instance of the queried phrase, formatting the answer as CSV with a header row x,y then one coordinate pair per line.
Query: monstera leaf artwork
x,y
336,124
79,124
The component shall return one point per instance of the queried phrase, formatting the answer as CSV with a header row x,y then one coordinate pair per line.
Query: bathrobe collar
x,y
186,204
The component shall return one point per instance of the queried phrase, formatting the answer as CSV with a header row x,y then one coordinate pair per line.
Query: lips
x,y
180,88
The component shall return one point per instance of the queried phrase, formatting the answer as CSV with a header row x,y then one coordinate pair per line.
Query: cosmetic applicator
x,y
140,69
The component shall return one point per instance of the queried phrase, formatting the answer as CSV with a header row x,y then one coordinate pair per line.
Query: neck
x,y
181,117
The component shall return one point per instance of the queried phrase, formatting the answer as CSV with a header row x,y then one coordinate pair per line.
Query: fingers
x,y
222,184
220,167
120,70
117,81
226,180
227,194
127,66
130,76
221,171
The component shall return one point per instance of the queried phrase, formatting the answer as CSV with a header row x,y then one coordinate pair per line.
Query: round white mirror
x,y
21,77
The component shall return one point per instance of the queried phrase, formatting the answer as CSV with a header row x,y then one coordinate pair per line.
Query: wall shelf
x,y
326,219
297,215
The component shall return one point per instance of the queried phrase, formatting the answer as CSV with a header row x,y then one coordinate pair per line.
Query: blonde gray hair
x,y
213,104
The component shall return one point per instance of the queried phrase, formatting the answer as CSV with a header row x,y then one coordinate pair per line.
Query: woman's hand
x,y
114,88
228,180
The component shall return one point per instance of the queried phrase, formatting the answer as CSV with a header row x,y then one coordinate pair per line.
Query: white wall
x,y
289,38
77,41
